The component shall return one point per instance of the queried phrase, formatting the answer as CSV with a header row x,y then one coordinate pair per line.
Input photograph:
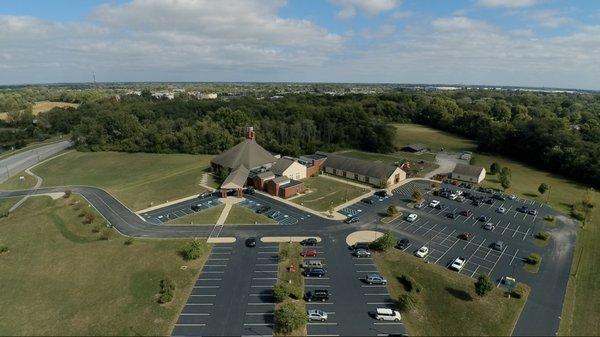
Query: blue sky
x,y
505,42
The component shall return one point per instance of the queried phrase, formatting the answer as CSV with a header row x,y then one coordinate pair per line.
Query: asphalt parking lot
x,y
168,213
287,215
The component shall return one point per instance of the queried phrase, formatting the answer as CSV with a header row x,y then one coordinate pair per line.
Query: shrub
x,y
89,217
96,229
4,214
128,242
392,210
167,287
410,284
549,218
518,292
280,292
67,194
407,302
165,297
296,292
3,249
533,259
289,317
483,285
106,235
542,236
384,242
193,250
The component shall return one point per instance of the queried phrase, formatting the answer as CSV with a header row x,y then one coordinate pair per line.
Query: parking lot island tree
x,y
290,316
417,196
384,242
483,285
543,188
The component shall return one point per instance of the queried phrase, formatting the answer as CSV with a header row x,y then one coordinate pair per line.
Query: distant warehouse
x,y
376,174
470,173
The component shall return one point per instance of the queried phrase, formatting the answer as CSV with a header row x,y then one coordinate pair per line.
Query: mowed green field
x,y
240,215
448,304
62,278
326,193
139,180
582,303
434,139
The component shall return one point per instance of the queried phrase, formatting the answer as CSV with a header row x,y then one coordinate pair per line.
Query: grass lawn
x,y
243,215
60,278
15,182
326,193
139,180
434,139
204,217
289,255
448,305
417,169
7,203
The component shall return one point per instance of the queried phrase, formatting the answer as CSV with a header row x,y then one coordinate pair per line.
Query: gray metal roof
x,y
237,178
359,166
467,170
416,147
247,153
281,165
266,175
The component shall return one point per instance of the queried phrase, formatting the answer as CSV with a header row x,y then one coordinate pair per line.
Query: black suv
x,y
382,193
309,242
499,197
402,243
314,272
250,242
317,295
263,209
361,245
196,208
249,191
368,201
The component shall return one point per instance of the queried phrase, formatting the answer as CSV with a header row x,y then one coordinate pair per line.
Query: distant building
x,y
163,95
201,95
376,174
415,148
469,173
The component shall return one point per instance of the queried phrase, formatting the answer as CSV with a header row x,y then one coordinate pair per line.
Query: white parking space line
x,y
209,279
495,263
378,294
215,265
202,295
373,286
185,314
505,228
261,303
258,324
455,242
388,323
190,324
208,287
260,313
265,286
513,258
525,235
264,278
516,230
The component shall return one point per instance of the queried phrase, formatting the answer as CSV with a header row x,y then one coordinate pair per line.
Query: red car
x,y
309,253
466,213
466,236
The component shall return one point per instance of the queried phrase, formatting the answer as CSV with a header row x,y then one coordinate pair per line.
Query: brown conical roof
x,y
247,153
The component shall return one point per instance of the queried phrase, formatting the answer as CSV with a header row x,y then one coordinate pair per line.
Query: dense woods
x,y
555,131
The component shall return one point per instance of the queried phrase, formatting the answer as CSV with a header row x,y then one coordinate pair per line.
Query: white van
x,y
385,314
312,264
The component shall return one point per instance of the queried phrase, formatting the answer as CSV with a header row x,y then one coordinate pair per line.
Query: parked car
x,y
362,253
382,193
411,217
452,196
368,201
501,210
263,209
466,236
402,243
466,213
196,207
351,219
314,272
434,203
375,279
422,252
458,264
316,315
489,201
499,197
476,203
317,295
360,245
452,215
386,314
312,264
249,191
522,209
420,205
204,195
489,226
275,214
532,211
309,242
484,218
439,206
251,242
498,245
458,192
512,197
309,253
460,198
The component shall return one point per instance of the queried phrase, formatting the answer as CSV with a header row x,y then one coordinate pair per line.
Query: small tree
x,y
495,168
505,181
280,292
392,210
543,188
67,194
289,317
505,171
384,242
192,250
407,302
89,217
417,196
483,285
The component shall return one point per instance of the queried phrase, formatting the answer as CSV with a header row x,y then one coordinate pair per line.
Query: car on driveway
x,y
466,213
352,219
467,236
250,242
321,295
362,253
316,315
402,243
434,203
263,209
386,314
375,279
314,272
309,253
368,201
522,209
498,245
422,252
309,242
411,217
532,212
484,218
489,226
458,264
501,210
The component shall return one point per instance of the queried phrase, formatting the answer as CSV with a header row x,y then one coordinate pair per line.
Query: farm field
x,y
60,276
43,106
434,139
327,193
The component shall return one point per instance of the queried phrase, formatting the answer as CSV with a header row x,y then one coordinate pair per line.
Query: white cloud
x,y
549,18
507,3
349,8
401,14
458,22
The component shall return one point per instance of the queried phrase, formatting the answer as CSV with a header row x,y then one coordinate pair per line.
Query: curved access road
x,y
18,162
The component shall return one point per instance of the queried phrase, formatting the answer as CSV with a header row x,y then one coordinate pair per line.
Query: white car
x,y
385,314
501,210
411,217
422,252
458,264
512,197
317,315
434,203
458,192
452,196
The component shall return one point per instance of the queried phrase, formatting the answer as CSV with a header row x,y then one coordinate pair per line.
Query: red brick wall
x,y
291,191
272,188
